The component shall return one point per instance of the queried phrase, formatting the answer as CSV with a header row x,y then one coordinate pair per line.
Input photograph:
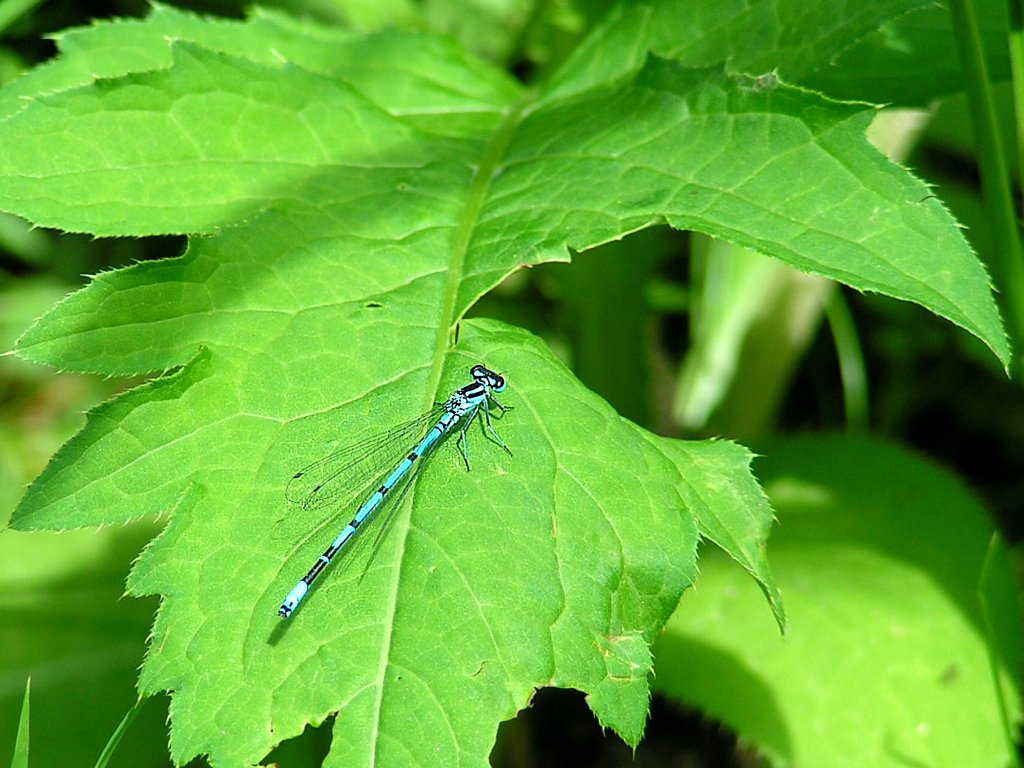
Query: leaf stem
x,y
119,732
1008,260
851,362
21,741
1016,9
489,165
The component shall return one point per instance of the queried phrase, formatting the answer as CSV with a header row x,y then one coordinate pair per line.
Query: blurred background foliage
x,y
686,336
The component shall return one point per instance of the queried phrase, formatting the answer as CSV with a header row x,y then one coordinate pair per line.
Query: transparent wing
x,y
347,472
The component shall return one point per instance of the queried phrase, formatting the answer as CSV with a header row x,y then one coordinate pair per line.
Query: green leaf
x,y
794,40
356,195
214,140
913,60
20,757
426,79
886,659
729,513
553,579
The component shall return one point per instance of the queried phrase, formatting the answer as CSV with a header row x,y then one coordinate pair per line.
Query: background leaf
x,y
66,623
887,658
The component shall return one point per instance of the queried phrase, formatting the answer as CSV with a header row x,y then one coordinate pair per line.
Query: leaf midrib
x,y
466,225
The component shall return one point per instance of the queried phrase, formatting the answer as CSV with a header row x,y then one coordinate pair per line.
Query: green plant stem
x,y
21,741
602,293
752,321
851,362
1017,76
1008,261
119,732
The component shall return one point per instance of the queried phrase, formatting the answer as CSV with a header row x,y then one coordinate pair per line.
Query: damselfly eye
x,y
497,382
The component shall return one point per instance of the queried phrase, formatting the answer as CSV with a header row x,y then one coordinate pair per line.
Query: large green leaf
x,y
356,195
213,140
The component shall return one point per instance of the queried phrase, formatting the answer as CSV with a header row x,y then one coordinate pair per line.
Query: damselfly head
x,y
484,375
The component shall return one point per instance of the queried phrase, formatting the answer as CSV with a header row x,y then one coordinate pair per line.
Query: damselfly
x,y
323,482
